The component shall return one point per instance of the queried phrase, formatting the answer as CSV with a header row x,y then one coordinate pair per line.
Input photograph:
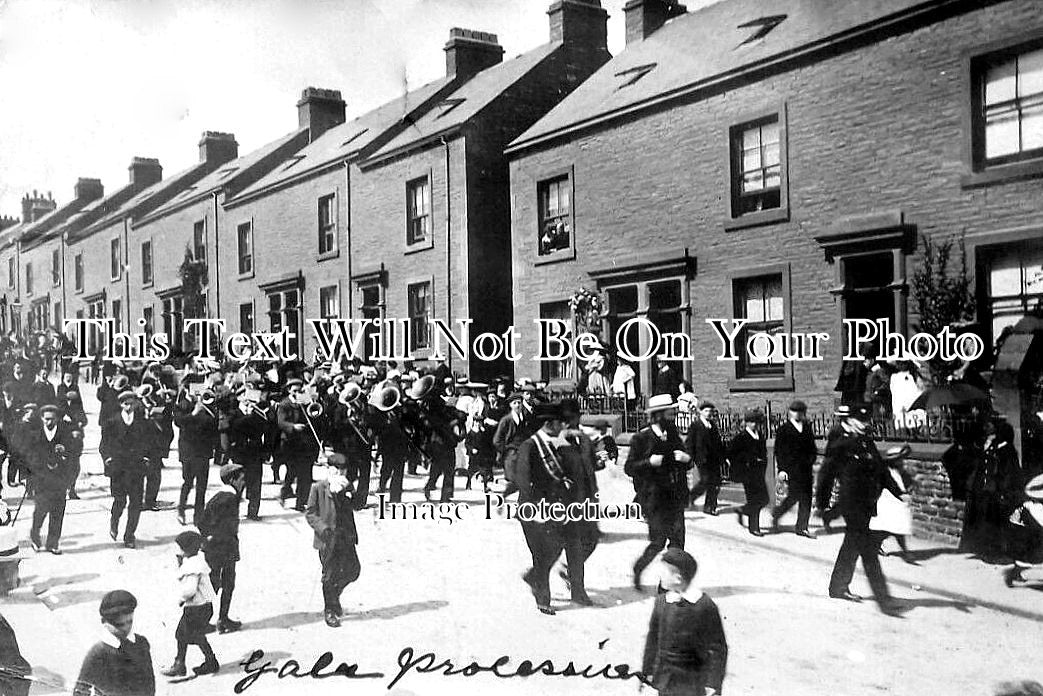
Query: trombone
x,y
312,409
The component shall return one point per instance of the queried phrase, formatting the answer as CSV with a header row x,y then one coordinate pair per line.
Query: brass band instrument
x,y
60,456
310,411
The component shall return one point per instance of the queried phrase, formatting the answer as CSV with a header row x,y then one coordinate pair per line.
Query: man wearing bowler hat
x,y
795,452
124,448
659,464
854,459
748,455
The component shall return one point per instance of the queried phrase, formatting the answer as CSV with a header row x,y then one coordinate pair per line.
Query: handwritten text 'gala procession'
x,y
390,339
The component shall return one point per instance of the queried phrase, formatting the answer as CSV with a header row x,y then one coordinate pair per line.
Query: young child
x,y
686,652
893,515
197,599
121,663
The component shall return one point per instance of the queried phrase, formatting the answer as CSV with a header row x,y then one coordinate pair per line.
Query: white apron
x,y
892,515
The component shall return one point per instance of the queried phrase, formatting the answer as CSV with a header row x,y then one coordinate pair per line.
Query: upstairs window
x,y
56,268
327,225
199,241
115,265
329,302
419,308
12,272
418,211
555,209
757,168
1009,109
28,279
77,272
146,262
244,236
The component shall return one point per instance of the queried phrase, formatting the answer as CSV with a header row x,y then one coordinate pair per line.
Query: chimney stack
x,y
644,17
87,190
581,22
217,148
36,206
319,110
468,52
145,171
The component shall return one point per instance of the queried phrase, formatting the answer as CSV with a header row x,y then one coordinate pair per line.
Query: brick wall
x,y
873,129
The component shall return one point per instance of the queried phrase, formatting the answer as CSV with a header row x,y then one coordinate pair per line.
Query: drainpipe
x,y
65,295
350,289
448,248
217,262
126,270
18,281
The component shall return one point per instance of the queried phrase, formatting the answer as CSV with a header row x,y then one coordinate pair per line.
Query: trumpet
x,y
314,409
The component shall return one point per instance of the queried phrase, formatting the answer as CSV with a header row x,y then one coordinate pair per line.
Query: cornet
x,y
314,409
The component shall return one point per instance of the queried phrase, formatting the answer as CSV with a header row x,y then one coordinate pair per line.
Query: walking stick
x,y
25,492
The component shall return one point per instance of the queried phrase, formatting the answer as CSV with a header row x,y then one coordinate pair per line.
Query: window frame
x,y
415,348
56,268
249,273
336,301
151,279
732,220
429,241
253,317
333,227
196,246
28,277
568,364
739,382
546,177
977,171
115,260
77,272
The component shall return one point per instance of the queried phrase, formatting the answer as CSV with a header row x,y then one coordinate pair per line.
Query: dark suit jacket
x,y
321,514
198,435
246,434
749,458
660,489
686,650
127,446
533,479
220,522
796,453
56,480
707,450
295,445
856,462
12,665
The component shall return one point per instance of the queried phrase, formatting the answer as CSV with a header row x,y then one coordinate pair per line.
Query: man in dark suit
x,y
541,476
331,514
514,428
298,446
197,439
658,464
124,448
353,438
855,460
219,525
247,429
795,452
15,670
42,391
55,447
581,536
748,455
706,448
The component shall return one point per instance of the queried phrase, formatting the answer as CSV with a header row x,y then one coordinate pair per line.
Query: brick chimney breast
x,y
35,206
88,189
580,22
217,148
468,52
145,171
644,17
319,110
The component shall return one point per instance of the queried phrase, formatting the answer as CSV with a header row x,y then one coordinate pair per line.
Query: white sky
x,y
87,84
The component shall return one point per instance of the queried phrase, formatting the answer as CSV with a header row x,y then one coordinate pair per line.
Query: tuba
x,y
385,399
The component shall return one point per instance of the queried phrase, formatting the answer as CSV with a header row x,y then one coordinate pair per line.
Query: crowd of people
x,y
359,419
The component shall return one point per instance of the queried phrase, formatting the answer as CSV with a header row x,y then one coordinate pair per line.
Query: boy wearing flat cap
x,y
121,663
219,524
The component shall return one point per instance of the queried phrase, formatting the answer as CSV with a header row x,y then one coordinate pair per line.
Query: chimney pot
x,y
216,148
319,110
645,17
145,171
583,23
88,189
36,206
468,52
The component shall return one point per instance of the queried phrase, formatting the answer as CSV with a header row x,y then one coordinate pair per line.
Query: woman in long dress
x,y
993,492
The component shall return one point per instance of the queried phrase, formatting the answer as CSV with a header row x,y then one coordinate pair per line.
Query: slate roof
x,y
146,196
227,173
714,43
470,98
347,139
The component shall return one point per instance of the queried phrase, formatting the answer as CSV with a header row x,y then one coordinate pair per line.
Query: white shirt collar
x,y
128,418
50,433
798,425
113,641
692,594
659,431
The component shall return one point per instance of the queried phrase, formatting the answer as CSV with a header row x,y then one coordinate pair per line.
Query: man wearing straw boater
x,y
659,464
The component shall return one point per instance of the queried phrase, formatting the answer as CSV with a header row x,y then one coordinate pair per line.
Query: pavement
x,y
431,591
